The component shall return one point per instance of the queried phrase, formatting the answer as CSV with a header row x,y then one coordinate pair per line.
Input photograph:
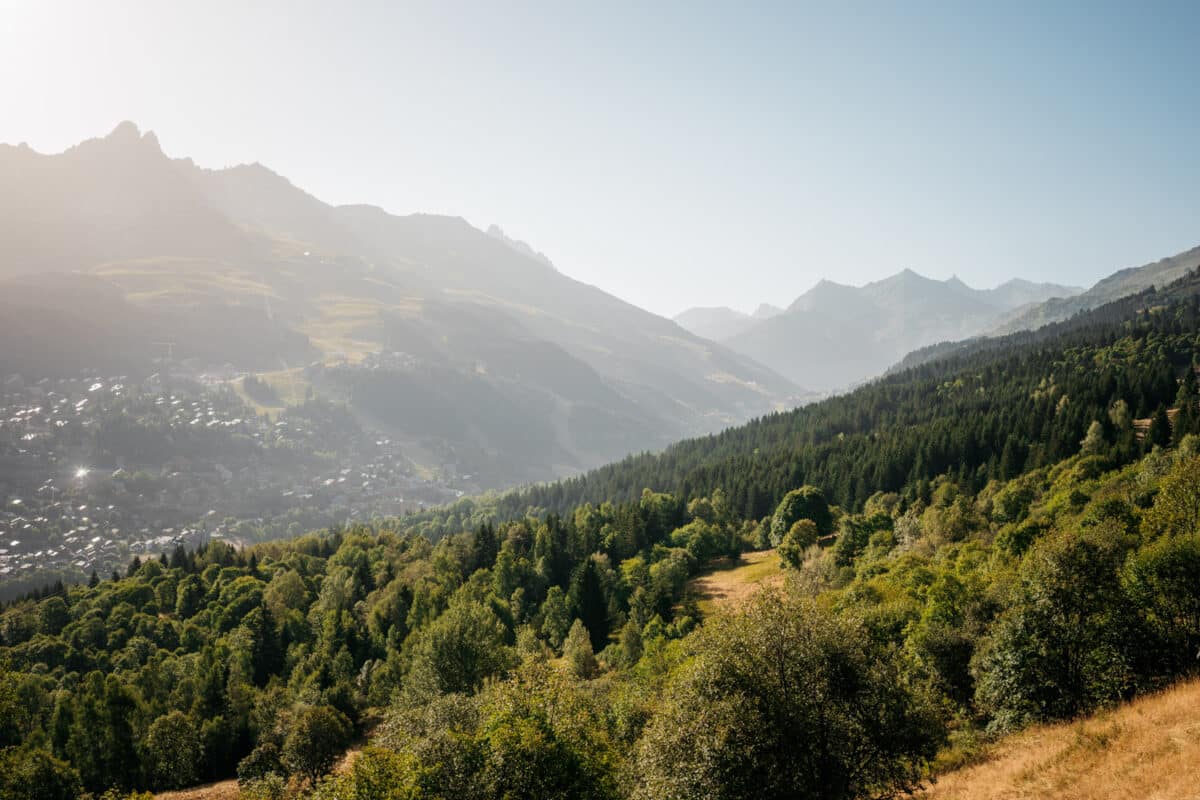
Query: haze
x,y
678,155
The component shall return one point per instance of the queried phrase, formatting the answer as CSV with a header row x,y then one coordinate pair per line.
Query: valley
x,y
354,444
1038,525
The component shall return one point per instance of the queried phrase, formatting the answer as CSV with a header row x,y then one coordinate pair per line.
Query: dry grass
x,y
228,790
1148,750
224,790
730,581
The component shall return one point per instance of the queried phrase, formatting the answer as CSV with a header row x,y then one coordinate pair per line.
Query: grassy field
x,y
1148,749
728,581
290,385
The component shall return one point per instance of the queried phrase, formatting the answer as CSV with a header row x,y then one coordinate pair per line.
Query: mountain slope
x,y
191,250
1147,748
1120,284
715,323
835,335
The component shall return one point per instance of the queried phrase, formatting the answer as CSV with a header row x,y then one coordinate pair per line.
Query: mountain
x,y
834,335
239,268
720,322
1120,284
714,323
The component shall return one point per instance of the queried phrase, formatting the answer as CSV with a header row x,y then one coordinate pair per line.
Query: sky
x,y
673,154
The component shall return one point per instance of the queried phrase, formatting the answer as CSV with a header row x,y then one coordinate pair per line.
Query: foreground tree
x,y
1066,643
538,734
786,700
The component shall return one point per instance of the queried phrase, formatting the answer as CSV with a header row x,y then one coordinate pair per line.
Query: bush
x,y
801,536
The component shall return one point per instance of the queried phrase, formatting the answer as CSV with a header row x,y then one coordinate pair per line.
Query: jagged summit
x,y
126,135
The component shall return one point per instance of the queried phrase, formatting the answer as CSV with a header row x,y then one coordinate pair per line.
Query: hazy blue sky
x,y
673,154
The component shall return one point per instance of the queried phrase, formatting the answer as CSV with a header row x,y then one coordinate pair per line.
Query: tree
x,y
1093,443
631,643
538,734
1159,433
319,735
578,653
189,597
1065,644
54,614
34,774
486,546
1163,580
1176,509
590,602
556,621
375,773
173,750
462,647
801,536
264,760
786,700
807,502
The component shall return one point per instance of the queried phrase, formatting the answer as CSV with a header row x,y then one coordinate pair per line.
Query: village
x,y
95,470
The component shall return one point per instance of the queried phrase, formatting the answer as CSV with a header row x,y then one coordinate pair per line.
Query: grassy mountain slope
x,y
1145,749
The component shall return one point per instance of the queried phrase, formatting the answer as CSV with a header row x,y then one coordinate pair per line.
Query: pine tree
x,y
1093,443
579,653
590,604
486,546
1160,429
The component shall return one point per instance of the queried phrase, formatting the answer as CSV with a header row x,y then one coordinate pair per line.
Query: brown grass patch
x,y
1148,750
729,581
223,790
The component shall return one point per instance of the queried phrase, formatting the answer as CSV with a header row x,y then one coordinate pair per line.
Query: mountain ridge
x,y
835,335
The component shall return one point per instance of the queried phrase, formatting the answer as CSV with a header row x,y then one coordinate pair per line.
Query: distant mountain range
x,y
112,253
834,335
721,322
1123,283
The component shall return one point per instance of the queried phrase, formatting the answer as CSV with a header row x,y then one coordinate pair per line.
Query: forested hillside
x,y
990,408
970,546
